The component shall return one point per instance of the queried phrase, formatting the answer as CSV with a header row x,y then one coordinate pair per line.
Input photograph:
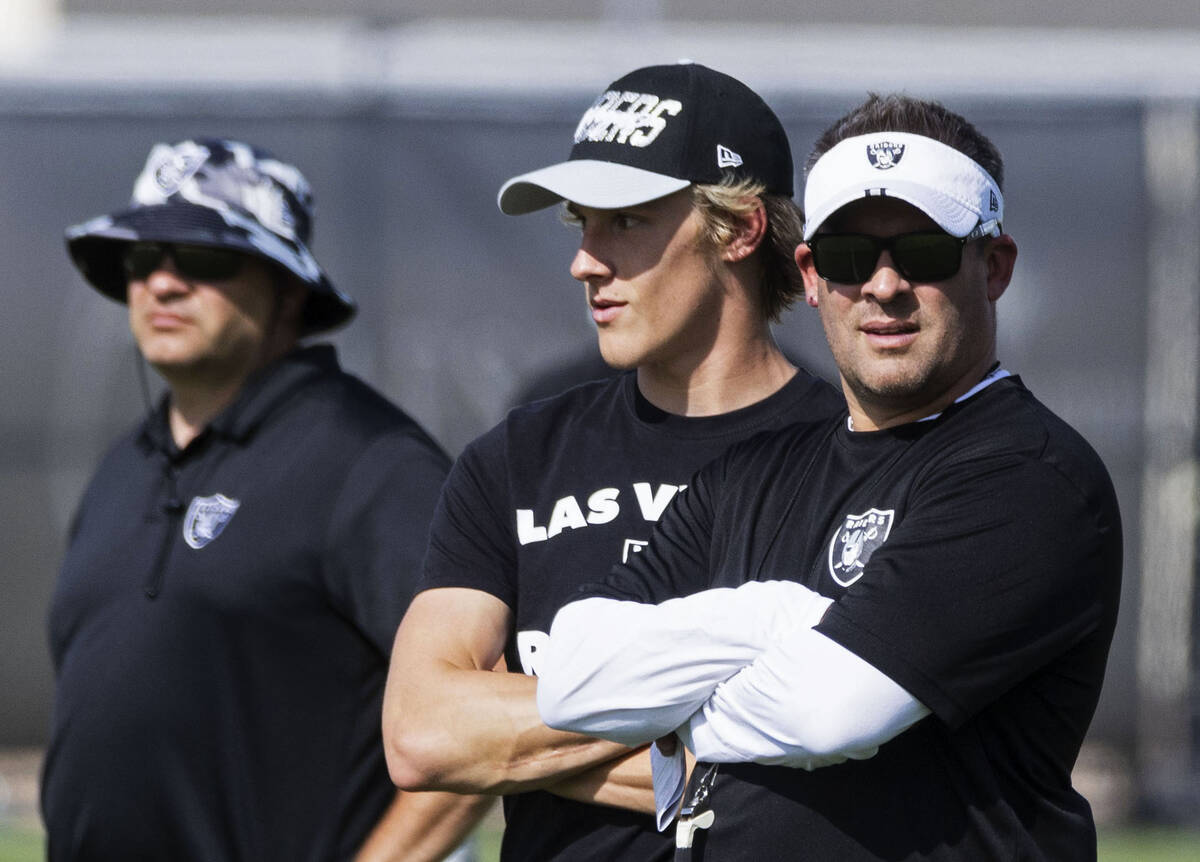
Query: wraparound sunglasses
x,y
199,262
925,256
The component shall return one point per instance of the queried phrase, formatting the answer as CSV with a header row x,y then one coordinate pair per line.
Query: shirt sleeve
x,y
472,542
378,531
603,640
647,646
804,702
632,672
677,561
1000,564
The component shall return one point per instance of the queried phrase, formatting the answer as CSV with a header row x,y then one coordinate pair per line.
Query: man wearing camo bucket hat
x,y
215,195
240,561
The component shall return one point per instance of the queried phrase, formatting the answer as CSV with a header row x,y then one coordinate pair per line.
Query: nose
x,y
588,267
165,280
885,282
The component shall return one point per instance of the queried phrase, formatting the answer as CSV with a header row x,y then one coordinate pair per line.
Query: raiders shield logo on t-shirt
x,y
854,542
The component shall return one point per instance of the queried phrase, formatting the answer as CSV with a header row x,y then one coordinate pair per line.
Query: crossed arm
x,y
423,827
738,674
450,722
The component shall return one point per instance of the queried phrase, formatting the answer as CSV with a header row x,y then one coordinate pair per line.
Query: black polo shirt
x,y
222,625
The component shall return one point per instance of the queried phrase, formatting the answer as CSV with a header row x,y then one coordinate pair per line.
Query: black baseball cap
x,y
655,131
214,192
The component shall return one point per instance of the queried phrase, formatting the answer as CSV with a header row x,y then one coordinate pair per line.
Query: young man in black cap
x,y
892,630
239,563
680,182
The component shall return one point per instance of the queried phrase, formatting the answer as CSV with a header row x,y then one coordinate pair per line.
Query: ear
x,y
1001,257
291,296
751,229
804,260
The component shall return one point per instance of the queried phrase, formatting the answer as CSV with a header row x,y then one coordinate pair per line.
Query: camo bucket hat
x,y
214,192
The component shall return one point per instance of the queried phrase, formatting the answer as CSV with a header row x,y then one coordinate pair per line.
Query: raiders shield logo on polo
x,y
884,154
206,518
854,542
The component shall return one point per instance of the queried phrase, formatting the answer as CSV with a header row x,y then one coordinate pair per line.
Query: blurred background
x,y
407,117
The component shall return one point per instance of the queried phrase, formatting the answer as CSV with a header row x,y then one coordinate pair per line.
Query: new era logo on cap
x,y
654,132
727,158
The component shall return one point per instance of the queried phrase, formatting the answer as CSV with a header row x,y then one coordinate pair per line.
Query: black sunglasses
x,y
199,262
927,255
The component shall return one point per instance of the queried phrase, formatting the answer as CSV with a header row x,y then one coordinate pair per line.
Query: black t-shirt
x,y
976,560
222,625
549,500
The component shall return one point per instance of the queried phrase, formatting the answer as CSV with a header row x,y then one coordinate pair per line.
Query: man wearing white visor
x,y
884,637
680,182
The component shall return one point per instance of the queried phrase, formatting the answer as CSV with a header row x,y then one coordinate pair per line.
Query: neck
x,y
192,407
869,412
722,381
198,394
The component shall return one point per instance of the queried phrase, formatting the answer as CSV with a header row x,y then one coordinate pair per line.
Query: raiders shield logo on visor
x,y
884,154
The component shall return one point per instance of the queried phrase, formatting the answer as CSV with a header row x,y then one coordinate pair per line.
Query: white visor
x,y
587,182
946,185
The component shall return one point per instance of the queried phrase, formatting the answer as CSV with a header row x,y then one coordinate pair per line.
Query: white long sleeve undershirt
x,y
633,672
737,673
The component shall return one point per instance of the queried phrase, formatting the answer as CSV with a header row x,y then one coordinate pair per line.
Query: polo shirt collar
x,y
262,393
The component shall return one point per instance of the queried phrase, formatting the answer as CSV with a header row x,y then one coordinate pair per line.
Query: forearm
x,y
450,722
806,702
624,782
423,827
632,672
481,732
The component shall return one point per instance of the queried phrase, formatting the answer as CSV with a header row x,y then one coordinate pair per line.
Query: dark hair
x,y
896,112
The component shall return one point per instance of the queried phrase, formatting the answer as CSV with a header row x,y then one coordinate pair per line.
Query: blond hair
x,y
722,205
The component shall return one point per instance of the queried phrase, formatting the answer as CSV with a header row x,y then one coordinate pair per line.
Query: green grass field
x,y
1116,845
1149,844
20,845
